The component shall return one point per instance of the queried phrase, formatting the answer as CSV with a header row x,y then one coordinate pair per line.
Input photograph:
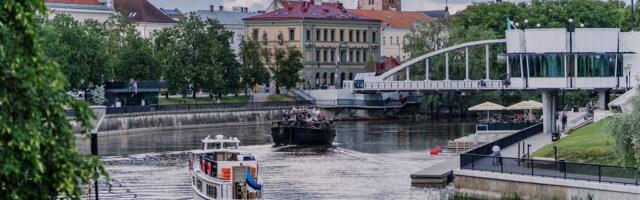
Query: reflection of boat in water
x,y
303,127
221,171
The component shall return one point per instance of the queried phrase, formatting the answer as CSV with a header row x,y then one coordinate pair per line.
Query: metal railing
x,y
506,141
260,105
504,126
429,84
551,168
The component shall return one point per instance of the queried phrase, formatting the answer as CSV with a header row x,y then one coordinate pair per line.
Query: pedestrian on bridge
x,y
496,152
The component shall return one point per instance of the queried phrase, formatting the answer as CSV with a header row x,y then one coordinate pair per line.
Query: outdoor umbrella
x,y
486,106
526,105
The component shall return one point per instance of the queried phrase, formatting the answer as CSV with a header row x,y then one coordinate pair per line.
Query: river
x,y
369,160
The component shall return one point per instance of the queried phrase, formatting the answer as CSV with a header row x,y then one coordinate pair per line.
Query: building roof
x,y
309,10
78,4
84,2
437,13
394,19
225,17
142,11
172,12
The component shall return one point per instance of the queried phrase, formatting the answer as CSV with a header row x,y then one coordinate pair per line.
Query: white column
x,y
521,67
407,73
508,67
486,48
446,66
603,99
426,69
466,63
575,66
549,110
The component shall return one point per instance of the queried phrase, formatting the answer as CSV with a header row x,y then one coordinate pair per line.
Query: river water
x,y
369,160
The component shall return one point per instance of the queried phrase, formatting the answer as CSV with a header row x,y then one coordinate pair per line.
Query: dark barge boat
x,y
300,128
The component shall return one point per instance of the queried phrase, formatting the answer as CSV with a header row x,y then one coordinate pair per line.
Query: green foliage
x,y
79,48
253,71
196,53
39,159
625,129
589,144
136,61
98,97
285,68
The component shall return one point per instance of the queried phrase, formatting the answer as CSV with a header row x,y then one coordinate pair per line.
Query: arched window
x,y
308,35
351,76
264,37
342,76
324,78
317,78
333,78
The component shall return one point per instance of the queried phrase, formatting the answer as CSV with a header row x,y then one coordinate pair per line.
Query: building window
x,y
357,36
333,56
324,56
317,55
341,35
333,35
308,35
374,37
357,56
317,34
364,36
254,34
384,40
350,35
397,40
292,34
325,34
350,56
365,56
514,64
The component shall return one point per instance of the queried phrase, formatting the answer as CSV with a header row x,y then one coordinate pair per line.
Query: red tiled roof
x,y
86,2
395,19
308,10
142,11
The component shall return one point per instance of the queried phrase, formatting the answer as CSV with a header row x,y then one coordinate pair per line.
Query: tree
x,y
136,61
625,129
287,64
39,159
197,54
253,71
79,48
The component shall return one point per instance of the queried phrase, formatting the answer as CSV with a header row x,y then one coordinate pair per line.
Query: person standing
x,y
496,152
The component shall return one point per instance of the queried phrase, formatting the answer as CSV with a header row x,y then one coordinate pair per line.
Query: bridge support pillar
x,y
603,99
549,110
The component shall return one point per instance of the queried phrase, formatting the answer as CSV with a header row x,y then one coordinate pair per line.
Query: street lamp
x,y
538,25
571,29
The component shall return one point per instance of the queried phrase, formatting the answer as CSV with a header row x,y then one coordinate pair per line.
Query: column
x,y
508,67
446,66
426,69
549,98
486,50
466,63
407,73
603,99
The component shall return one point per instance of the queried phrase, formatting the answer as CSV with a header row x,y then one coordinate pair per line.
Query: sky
x,y
255,5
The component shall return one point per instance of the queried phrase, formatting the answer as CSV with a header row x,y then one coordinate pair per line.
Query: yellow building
x,y
336,43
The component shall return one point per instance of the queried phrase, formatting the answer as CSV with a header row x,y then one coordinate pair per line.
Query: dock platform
x,y
438,175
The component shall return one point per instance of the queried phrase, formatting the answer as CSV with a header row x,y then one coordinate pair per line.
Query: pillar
x,y
549,109
486,51
446,66
603,99
466,63
426,69
407,73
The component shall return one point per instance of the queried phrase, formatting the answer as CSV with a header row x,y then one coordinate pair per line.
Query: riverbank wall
x,y
491,185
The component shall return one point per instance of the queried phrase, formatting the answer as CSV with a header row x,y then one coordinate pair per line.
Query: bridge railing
x,y
507,141
551,168
431,85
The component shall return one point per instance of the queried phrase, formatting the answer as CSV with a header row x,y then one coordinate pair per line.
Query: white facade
x,y
82,12
588,58
147,29
393,43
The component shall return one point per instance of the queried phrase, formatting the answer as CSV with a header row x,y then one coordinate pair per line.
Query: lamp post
x,y
571,29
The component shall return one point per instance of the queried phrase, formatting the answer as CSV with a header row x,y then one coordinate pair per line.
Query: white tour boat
x,y
221,171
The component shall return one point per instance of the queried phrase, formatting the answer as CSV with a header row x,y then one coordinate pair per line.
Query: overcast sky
x,y
254,5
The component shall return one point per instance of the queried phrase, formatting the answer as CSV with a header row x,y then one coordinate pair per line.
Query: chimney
x,y
212,8
220,8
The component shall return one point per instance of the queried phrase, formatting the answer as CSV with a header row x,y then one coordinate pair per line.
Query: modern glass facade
x,y
552,65
599,65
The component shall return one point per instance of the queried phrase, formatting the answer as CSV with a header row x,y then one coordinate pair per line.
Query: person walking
x,y
564,121
496,152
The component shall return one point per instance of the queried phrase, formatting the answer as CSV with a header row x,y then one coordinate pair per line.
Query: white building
x,y
587,58
232,21
144,15
82,10
395,26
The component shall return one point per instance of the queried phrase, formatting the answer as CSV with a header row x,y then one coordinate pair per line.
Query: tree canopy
x,y
39,158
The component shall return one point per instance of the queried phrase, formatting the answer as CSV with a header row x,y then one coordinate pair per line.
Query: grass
x,y
589,144
202,100
279,97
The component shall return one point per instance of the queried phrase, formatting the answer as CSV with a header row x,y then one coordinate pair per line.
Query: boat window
x,y
199,185
211,191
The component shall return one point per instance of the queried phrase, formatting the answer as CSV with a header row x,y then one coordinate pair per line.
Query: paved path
x,y
260,97
537,141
